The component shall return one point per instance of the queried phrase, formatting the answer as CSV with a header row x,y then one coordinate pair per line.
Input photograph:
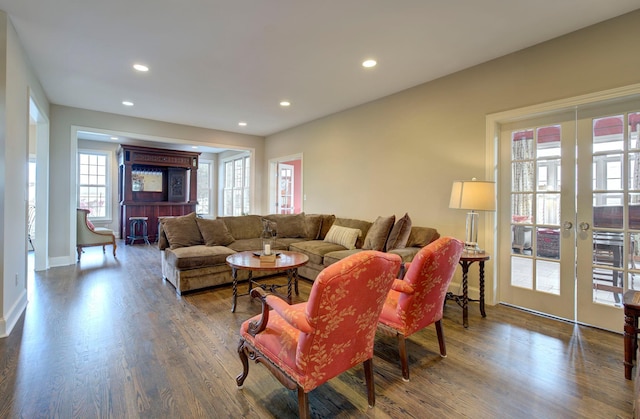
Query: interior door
x,y
609,211
285,197
537,175
571,182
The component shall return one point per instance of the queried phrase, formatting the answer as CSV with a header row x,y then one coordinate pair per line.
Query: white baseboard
x,y
7,323
62,261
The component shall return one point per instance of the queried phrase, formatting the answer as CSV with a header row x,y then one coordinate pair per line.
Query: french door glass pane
x,y
521,207
634,129
521,272
548,142
549,175
548,242
522,174
522,145
607,210
548,276
548,208
608,134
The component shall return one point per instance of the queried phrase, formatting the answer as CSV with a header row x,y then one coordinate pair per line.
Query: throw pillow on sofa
x,y
289,225
422,236
182,231
214,232
378,233
399,233
344,236
361,225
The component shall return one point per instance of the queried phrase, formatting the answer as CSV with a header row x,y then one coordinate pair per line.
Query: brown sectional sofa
x,y
194,250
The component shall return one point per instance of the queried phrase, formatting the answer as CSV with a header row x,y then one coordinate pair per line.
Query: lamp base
x,y
470,247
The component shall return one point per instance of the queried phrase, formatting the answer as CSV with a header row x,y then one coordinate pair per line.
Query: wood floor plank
x,y
110,339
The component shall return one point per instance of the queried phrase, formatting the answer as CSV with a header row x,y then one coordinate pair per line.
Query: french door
x,y
571,182
285,198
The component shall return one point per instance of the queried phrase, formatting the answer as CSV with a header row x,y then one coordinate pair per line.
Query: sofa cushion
x,y
214,232
361,225
315,249
332,257
378,233
406,253
289,225
253,244
344,236
313,226
244,226
399,234
182,231
327,222
198,256
422,236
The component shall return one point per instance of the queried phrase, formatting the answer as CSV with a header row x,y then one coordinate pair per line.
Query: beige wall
x,y
64,146
402,153
17,82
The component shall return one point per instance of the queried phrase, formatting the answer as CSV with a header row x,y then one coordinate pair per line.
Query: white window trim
x,y
109,184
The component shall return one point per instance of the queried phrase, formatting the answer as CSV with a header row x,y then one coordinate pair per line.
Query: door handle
x,y
584,226
567,225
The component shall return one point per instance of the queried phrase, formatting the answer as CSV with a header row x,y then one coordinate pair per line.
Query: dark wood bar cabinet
x,y
155,183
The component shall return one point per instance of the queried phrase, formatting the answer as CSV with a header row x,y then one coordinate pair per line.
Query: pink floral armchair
x,y
306,344
417,301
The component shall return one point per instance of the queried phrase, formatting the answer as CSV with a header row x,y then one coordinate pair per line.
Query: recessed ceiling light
x,y
114,138
127,103
195,147
285,103
369,63
242,124
141,67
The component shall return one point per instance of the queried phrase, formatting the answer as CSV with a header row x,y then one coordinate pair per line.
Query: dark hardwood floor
x,y
110,339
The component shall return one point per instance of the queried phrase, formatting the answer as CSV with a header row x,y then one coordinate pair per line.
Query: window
x,y
236,192
205,187
93,183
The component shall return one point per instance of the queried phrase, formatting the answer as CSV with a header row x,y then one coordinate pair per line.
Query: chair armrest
x,y
293,315
257,327
402,286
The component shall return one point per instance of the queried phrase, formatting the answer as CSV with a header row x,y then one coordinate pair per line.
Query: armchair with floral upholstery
x,y
87,235
306,344
417,300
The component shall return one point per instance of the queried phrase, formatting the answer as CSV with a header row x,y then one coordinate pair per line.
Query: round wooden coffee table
x,y
250,260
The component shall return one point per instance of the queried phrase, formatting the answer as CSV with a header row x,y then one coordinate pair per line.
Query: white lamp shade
x,y
475,195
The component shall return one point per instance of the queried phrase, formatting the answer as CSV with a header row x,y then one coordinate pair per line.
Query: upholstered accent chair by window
x,y
87,235
417,300
306,344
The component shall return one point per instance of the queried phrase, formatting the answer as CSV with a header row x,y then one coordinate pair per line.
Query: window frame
x,y
243,188
210,190
108,182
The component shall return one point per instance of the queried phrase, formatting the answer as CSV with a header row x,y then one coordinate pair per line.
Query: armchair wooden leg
x,y
303,404
104,248
368,377
245,364
404,362
79,250
440,332
115,246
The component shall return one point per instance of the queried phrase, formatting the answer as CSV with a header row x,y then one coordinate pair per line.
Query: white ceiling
x,y
214,63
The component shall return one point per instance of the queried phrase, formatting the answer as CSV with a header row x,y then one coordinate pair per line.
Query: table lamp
x,y
474,195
